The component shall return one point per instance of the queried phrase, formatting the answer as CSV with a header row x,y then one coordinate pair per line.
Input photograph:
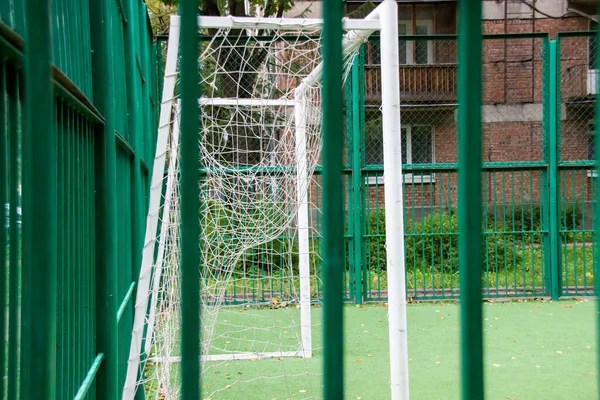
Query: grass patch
x,y
527,354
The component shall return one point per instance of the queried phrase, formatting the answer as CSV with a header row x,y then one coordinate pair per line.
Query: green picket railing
x,y
68,259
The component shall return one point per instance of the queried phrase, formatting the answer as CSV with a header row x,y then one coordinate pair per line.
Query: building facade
x,y
515,120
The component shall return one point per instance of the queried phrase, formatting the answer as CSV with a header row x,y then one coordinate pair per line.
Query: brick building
x,y
514,89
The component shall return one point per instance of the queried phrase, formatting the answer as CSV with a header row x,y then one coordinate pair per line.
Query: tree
x,y
269,8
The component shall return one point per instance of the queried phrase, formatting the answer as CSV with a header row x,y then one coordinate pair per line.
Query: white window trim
x,y
410,44
592,75
591,173
408,177
429,25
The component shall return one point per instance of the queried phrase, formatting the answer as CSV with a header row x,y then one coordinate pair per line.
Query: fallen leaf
x,y
567,306
359,360
496,365
369,355
437,363
558,352
537,366
303,390
228,387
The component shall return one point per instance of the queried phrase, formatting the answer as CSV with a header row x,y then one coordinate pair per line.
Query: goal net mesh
x,y
257,174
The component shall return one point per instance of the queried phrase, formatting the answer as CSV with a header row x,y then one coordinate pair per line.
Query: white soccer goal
x,y
259,146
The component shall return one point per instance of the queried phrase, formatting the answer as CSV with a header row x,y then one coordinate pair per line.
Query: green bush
x,y
521,217
433,244
570,217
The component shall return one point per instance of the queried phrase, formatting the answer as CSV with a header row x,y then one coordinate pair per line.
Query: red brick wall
x,y
512,76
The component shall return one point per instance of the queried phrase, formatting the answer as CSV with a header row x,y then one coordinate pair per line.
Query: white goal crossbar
x,y
383,18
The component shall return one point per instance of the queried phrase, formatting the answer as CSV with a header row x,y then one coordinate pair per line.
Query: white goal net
x,y
259,147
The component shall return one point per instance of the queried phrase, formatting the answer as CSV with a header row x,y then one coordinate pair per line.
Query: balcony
x,y
429,83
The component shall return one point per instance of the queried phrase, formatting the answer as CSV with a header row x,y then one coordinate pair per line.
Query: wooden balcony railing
x,y
418,83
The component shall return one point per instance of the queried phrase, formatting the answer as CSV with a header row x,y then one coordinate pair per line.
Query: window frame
x,y
409,178
592,70
591,132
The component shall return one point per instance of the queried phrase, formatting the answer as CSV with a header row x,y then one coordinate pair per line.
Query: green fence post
x,y
135,123
544,174
5,172
469,195
102,30
190,203
333,219
597,208
350,187
38,357
356,181
553,265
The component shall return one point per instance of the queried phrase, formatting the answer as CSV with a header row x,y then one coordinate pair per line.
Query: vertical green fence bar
x,y
357,135
39,212
103,61
5,167
132,38
190,203
597,210
333,218
553,265
469,194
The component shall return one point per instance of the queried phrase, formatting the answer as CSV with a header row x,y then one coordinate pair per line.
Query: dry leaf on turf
x,y
369,355
496,365
359,360
303,390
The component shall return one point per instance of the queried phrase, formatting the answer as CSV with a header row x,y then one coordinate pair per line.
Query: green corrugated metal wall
x,y
105,91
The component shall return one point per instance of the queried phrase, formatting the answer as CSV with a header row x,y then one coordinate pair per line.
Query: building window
x,y
592,66
591,146
417,144
419,20
592,47
417,148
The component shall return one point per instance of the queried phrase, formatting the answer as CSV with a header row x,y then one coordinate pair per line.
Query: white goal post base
x,y
233,357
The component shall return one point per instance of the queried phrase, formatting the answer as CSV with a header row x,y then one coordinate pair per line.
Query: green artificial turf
x,y
533,350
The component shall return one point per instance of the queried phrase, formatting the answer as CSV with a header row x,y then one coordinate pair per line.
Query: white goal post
x,y
298,104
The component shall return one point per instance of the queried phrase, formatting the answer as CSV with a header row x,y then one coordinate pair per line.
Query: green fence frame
x,y
554,262
75,154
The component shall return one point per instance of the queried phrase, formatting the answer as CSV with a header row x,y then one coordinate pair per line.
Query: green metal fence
x,y
537,180
104,85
